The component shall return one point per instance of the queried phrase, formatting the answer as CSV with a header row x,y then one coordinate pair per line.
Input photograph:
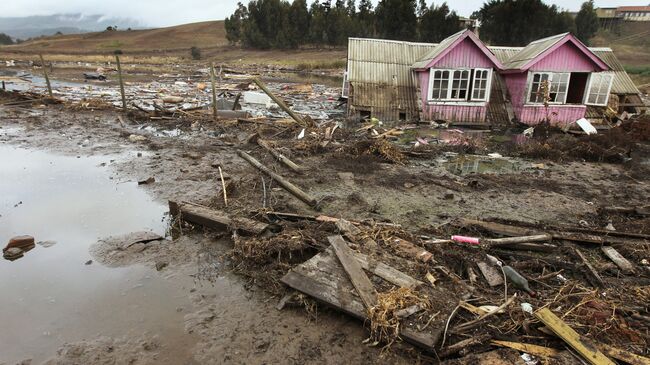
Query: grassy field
x,y
169,45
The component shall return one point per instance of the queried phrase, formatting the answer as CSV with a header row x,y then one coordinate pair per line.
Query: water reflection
x,y
50,296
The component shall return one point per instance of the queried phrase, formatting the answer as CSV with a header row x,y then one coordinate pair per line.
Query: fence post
x,y
214,92
47,78
119,76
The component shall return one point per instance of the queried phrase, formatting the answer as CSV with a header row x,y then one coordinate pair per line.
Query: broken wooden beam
x,y
519,239
412,250
536,350
280,157
288,186
359,279
620,261
623,355
579,343
525,246
280,103
386,272
498,228
214,219
598,281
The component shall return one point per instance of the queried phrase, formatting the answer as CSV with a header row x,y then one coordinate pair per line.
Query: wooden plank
x,y
623,355
538,247
386,272
359,279
598,281
587,350
323,278
498,228
520,239
214,219
413,251
491,274
618,259
536,350
280,102
280,157
288,186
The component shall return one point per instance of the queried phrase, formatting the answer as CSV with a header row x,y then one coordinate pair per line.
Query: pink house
x,y
462,80
574,75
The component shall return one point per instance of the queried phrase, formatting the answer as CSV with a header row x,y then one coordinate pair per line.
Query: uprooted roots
x,y
384,322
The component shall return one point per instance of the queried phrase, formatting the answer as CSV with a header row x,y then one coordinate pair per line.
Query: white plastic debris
x,y
586,126
494,155
527,307
610,227
528,132
529,359
301,135
252,97
561,278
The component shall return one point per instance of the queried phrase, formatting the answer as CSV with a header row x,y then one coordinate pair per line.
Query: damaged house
x,y
462,80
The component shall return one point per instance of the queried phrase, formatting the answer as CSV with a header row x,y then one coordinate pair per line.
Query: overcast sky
x,y
171,12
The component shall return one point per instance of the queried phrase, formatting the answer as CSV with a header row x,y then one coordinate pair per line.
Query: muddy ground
x,y
240,324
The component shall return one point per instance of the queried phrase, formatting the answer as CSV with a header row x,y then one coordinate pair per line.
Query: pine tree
x,y
396,19
437,23
586,22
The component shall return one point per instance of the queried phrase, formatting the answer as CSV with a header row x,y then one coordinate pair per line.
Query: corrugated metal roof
x,y
436,51
532,50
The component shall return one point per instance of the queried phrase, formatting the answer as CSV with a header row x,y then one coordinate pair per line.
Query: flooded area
x,y
472,164
56,294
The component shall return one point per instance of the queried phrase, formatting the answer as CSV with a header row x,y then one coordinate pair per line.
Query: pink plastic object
x,y
464,239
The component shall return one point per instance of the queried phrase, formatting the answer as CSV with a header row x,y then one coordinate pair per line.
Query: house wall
x,y
449,112
533,114
464,55
566,58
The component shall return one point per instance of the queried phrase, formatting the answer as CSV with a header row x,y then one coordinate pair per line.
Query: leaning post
x,y
214,92
119,76
47,78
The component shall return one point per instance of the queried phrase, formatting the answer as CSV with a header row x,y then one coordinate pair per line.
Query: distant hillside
x,y
204,34
631,42
44,25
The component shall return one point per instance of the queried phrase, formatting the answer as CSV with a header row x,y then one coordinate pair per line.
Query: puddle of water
x,y
472,164
50,296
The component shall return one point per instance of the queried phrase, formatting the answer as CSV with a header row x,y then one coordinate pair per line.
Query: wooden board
x,y
386,272
323,278
359,279
491,274
587,350
536,350
623,355
618,259
214,219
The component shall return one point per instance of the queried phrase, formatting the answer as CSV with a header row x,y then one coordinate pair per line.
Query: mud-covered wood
x,y
214,219
359,279
280,157
490,273
579,343
288,186
323,278
618,259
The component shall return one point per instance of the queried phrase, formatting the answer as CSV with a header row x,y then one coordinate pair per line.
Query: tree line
x,y
280,24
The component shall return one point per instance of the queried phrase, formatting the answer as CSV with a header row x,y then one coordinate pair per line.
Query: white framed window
x,y
459,85
439,84
481,85
599,86
558,84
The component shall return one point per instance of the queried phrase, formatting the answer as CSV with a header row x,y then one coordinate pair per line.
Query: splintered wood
x,y
587,350
324,278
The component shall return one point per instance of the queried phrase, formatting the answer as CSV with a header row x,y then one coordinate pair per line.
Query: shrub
x,y
196,53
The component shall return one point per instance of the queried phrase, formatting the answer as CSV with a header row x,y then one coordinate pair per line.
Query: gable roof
x,y
447,44
540,48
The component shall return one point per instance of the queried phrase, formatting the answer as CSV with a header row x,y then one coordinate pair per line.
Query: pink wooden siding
x,y
465,55
452,113
533,114
558,114
566,58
